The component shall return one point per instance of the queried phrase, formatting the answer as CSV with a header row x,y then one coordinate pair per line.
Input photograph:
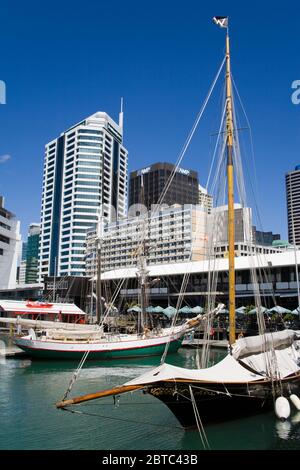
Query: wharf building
x,y
292,185
278,281
84,168
10,240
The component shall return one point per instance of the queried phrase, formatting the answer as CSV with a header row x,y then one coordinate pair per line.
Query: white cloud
x,y
4,158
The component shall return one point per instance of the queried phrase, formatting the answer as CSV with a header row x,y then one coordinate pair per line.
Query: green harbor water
x,y
29,419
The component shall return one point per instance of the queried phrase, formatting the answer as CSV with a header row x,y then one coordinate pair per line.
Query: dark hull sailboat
x,y
217,402
243,383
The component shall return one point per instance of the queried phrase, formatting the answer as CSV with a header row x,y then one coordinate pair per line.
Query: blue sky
x,y
62,61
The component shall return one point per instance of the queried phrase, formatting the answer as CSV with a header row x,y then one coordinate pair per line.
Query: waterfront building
x,y
84,168
278,281
172,235
184,188
10,240
292,185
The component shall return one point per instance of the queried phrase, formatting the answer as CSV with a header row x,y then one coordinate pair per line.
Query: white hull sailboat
x,y
66,344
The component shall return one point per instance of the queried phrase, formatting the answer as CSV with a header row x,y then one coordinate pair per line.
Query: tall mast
x,y
230,184
98,282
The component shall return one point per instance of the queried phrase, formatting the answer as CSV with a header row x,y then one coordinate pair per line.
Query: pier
x,y
214,343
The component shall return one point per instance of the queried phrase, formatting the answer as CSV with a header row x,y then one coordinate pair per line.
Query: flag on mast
x,y
222,21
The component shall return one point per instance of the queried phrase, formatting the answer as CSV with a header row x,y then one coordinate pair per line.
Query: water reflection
x,y
283,429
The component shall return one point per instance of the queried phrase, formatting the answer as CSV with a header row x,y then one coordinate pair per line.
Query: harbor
x,y
24,399
144,306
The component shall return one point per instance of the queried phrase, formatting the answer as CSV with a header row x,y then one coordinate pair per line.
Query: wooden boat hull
x,y
218,402
61,351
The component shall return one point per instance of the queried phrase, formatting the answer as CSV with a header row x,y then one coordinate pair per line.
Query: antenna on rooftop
x,y
121,115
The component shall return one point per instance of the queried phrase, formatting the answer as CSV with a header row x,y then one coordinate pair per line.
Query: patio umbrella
x,y
241,310
296,311
157,309
197,309
224,311
135,309
185,309
170,311
149,309
254,310
280,310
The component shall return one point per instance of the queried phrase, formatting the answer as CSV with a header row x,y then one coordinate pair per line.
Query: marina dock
x,y
200,342
11,352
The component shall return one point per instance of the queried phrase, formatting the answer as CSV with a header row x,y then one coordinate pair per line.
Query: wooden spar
x,y
93,396
230,184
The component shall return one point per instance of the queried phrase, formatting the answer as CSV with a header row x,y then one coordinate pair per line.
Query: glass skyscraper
x,y
292,184
84,168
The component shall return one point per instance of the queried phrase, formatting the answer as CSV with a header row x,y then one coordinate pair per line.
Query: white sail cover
x,y
257,344
281,363
227,370
284,361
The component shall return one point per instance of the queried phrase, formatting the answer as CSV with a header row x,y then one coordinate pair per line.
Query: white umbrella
x,y
241,310
280,310
262,309
197,309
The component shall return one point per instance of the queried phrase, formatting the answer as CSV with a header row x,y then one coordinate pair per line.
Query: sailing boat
x,y
256,372
94,343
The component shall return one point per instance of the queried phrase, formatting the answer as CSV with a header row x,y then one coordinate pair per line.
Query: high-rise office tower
x,y
10,240
84,168
292,184
182,190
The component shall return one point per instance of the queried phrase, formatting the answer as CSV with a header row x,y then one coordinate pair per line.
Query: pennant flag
x,y
222,21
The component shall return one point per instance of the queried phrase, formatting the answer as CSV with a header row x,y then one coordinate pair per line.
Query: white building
x,y
205,199
22,272
84,168
172,235
243,232
10,240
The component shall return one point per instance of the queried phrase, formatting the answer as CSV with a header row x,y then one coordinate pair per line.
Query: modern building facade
x,y
265,238
32,254
184,188
245,241
85,169
292,185
172,235
10,241
205,199
22,272
176,234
